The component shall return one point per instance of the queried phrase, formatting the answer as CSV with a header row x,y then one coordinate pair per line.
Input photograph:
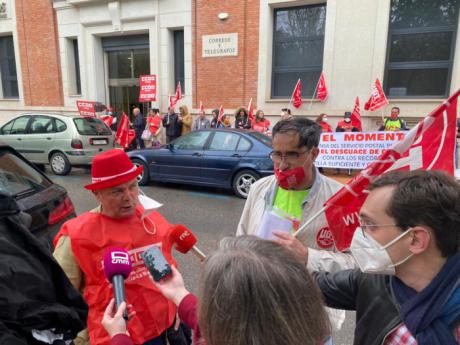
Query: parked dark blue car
x,y
224,158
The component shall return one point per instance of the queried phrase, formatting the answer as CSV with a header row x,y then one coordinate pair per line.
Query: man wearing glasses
x,y
407,288
297,191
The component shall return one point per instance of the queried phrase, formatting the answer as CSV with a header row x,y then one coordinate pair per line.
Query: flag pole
x,y
292,96
314,92
310,220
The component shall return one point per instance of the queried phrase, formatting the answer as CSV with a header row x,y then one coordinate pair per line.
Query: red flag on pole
x,y
251,112
201,107
429,146
172,102
108,120
377,99
321,90
178,95
296,95
122,136
221,113
356,116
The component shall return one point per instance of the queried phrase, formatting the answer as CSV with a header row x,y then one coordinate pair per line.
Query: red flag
x,y
221,113
356,116
178,95
429,146
201,107
108,120
122,135
86,108
250,112
172,102
321,92
378,98
296,95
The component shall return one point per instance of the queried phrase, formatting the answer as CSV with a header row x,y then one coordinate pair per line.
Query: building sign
x,y
148,88
354,150
220,45
3,13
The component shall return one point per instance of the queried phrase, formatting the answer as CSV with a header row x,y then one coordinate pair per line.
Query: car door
x,y
222,156
182,160
39,138
13,133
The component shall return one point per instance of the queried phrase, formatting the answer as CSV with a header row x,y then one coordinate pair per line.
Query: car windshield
x,y
18,178
91,126
262,137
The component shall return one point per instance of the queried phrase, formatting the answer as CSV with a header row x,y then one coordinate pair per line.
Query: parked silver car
x,y
62,141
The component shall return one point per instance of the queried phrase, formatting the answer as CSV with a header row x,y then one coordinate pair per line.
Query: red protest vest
x,y
91,235
346,126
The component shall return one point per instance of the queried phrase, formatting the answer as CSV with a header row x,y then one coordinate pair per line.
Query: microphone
x,y
117,267
185,240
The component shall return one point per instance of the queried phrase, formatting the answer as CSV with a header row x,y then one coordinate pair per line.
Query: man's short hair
x,y
397,108
429,198
286,110
308,130
155,110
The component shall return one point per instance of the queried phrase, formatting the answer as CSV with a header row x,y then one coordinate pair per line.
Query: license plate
x,y
99,141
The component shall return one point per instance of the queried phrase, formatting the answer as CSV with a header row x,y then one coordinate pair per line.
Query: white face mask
x,y
347,119
371,256
148,204
325,119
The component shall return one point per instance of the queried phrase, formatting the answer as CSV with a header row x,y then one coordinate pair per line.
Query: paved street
x,y
211,214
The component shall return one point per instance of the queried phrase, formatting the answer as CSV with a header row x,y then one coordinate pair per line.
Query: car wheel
x,y
243,181
59,164
143,178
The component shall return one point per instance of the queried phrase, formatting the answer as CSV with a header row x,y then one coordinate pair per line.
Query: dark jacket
x,y
139,124
36,293
377,312
243,122
172,125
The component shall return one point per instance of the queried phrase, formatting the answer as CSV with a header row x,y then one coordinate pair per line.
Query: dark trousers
x,y
139,141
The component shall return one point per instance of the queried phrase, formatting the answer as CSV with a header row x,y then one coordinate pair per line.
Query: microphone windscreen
x,y
183,238
117,262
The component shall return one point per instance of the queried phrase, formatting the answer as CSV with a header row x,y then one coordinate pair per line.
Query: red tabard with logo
x,y
91,235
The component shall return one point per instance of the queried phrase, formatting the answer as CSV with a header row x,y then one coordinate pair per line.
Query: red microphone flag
x,y
250,112
321,92
296,95
122,137
356,116
378,98
428,146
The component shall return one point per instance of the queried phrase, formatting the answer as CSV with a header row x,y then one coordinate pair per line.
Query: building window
x,y
179,74
9,78
421,46
298,44
77,66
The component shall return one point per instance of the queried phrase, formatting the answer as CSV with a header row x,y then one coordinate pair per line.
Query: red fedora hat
x,y
112,168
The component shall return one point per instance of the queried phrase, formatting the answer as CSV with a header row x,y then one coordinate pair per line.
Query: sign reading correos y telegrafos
x,y
220,45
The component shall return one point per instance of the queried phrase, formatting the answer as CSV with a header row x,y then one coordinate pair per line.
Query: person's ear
x,y
420,239
314,153
97,194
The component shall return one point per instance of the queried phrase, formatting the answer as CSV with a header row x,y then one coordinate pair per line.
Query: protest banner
x,y
148,88
354,150
86,108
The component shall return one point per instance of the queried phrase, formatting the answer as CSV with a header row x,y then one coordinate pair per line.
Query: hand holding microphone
x,y
117,267
185,241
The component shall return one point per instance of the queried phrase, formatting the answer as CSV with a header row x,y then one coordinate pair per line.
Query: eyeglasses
x,y
366,227
289,157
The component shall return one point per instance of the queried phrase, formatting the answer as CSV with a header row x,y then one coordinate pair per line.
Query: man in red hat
x,y
121,220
